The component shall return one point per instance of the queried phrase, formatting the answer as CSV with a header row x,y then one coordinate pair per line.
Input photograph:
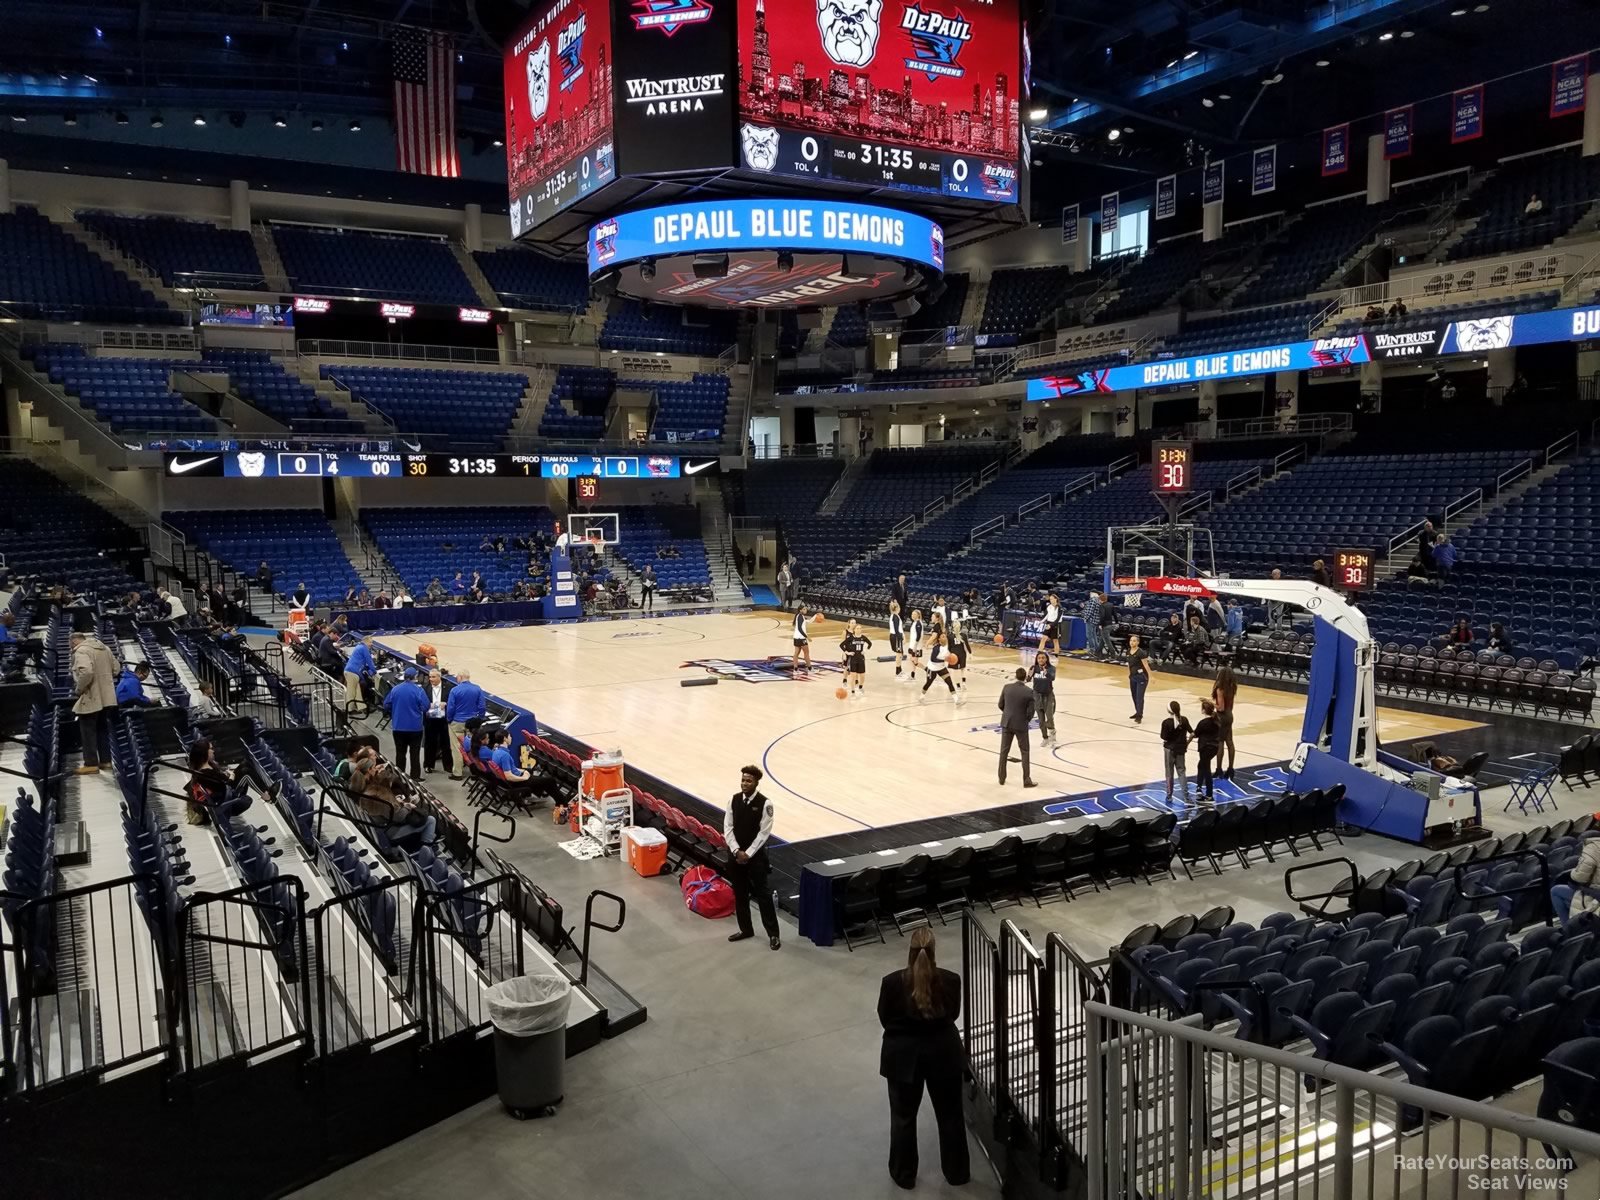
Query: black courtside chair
x,y
856,905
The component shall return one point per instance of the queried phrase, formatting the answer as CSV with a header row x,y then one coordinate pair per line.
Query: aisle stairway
x,y
716,531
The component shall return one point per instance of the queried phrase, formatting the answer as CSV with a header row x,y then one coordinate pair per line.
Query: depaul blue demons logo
x,y
669,16
937,235
1334,351
1084,381
569,48
936,40
756,670
999,180
605,241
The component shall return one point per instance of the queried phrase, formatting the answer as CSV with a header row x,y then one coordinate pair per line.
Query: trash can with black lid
x,y
529,1015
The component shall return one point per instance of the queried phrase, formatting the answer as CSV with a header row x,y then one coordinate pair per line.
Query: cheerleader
x,y
916,633
960,658
854,646
802,639
938,668
1052,623
897,638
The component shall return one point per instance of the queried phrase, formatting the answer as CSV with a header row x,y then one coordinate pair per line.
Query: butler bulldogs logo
x,y
937,42
849,30
539,81
669,16
569,46
760,147
605,241
252,465
1490,333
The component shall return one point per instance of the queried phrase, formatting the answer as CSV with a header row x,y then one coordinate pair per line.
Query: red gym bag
x,y
707,893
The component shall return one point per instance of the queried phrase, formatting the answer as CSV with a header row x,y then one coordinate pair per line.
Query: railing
x,y
982,1034
983,530
1195,504
1032,506
1561,446
1509,476
1322,317
993,469
903,527
1068,984
1086,483
1470,501
962,490
334,348
1535,267
463,943
1586,272
1310,424
1282,462
1126,463
1180,1111
1241,481
91,992
244,987
1018,1016
364,966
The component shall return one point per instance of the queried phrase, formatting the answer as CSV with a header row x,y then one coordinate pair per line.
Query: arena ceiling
x,y
1130,89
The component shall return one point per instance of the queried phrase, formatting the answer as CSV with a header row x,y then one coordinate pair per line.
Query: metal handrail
x,y
1122,464
1243,479
1034,505
1470,500
1512,474
1282,461
1562,445
993,525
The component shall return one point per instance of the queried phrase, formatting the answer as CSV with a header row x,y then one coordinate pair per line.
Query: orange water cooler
x,y
597,776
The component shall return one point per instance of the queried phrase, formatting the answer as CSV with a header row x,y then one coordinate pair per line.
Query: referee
x,y
746,828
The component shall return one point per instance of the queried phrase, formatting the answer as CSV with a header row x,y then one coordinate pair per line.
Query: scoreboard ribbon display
x,y
333,464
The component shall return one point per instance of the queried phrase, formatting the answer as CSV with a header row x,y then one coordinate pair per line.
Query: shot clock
x,y
1352,570
1172,467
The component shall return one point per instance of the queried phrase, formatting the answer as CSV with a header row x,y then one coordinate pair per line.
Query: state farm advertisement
x,y
558,84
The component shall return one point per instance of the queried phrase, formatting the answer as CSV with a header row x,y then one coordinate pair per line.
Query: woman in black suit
x,y
918,1008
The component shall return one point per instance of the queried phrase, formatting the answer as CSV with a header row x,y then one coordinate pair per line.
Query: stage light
x,y
199,119
1190,55
227,39
98,33
1208,102
70,119
1038,114
157,121
316,125
19,118
498,142
1224,96
710,266
280,122
355,125
1113,134
1322,62
121,118
1408,33
1386,36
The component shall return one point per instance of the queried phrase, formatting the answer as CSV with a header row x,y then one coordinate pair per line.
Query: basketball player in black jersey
x,y
897,637
854,646
938,668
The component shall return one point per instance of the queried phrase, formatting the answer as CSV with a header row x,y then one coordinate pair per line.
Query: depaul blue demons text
x,y
799,225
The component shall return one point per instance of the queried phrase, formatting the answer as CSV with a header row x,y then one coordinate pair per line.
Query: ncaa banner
x,y
1110,207
1397,126
1069,225
1264,171
1336,150
1569,81
1466,115
1166,197
1211,181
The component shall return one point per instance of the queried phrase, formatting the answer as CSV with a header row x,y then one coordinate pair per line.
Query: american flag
x,y
425,103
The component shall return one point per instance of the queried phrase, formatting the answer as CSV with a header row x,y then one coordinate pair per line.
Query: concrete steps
x,y
475,276
716,532
841,490
129,267
271,265
341,399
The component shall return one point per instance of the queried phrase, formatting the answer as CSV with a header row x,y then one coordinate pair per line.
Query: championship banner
x,y
1336,150
1069,225
1264,171
1166,197
1569,81
1211,181
1397,125
1110,207
1466,115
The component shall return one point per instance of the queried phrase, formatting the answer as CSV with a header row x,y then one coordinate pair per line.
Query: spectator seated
x,y
47,275
668,539
525,279
425,544
298,544
375,265
475,406
127,394
1565,184
183,253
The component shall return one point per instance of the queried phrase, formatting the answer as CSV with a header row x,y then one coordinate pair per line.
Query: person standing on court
x,y
900,594
463,703
746,828
1016,706
1138,676
407,705
647,588
785,582
918,1007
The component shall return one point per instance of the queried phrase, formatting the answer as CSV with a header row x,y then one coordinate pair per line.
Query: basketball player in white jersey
x,y
802,639
938,668
897,638
916,633
1052,623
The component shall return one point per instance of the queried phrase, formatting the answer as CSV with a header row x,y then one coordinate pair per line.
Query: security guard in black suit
x,y
746,829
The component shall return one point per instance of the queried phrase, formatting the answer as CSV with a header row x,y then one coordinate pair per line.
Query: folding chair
x,y
1532,788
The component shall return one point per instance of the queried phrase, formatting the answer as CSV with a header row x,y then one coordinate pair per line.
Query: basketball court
x,y
836,768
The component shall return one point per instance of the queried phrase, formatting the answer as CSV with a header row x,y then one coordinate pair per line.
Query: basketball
x,y
839,693
999,639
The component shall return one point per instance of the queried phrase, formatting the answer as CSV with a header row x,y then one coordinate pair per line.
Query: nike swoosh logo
x,y
179,468
696,468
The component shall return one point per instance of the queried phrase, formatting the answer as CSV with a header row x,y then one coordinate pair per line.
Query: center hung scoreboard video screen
x,y
919,96
922,95
558,84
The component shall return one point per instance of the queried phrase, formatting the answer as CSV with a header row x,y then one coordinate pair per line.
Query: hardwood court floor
x,y
838,767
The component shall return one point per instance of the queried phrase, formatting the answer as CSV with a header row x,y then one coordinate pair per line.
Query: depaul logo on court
x,y
772,669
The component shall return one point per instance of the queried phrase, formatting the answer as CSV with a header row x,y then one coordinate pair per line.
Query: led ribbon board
x,y
780,253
